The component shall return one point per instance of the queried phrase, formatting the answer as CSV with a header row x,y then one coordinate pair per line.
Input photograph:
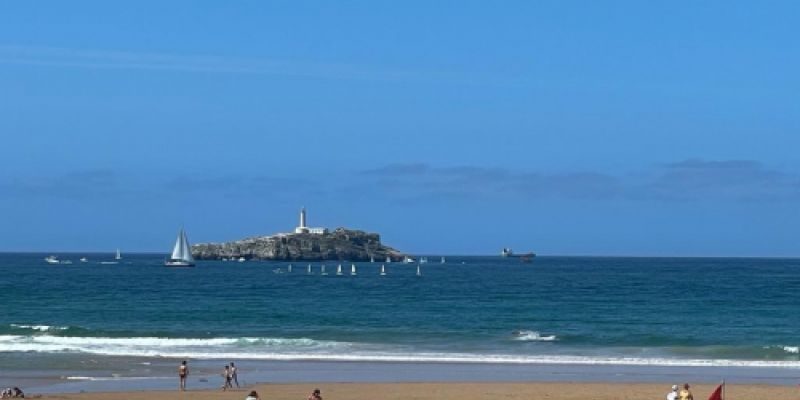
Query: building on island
x,y
303,228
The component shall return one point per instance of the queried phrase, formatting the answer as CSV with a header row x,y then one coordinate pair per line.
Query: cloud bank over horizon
x,y
463,198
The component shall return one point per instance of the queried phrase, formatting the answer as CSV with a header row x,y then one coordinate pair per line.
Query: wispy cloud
x,y
682,181
78,184
127,60
689,180
734,179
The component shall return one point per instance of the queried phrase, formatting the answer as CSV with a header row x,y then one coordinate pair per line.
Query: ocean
x,y
86,319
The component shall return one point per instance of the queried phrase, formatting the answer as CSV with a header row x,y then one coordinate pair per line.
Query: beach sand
x,y
453,391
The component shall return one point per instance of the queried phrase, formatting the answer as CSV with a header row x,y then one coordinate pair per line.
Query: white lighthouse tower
x,y
303,228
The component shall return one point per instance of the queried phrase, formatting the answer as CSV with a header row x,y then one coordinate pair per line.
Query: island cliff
x,y
341,244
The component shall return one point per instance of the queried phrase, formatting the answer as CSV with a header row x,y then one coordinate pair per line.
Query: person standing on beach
x,y
226,378
234,376
183,372
685,393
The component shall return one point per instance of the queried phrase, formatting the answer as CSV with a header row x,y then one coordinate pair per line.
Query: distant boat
x,y
84,259
423,260
241,259
409,260
289,268
442,260
371,259
353,270
66,262
339,269
52,260
383,270
181,253
322,270
118,256
419,273
308,270
507,252
388,259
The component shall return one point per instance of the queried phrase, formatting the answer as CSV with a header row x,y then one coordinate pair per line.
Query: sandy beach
x,y
454,390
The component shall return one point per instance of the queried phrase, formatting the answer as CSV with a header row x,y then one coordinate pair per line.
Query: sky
x,y
450,127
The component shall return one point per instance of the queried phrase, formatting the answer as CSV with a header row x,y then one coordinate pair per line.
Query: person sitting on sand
x,y
18,393
6,394
252,396
183,372
685,393
673,395
315,395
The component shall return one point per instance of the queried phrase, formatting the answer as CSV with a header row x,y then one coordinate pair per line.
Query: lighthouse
x,y
302,218
303,228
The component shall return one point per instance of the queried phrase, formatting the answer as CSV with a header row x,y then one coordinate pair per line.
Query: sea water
x,y
609,311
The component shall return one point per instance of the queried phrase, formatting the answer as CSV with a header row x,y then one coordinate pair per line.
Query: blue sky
x,y
610,128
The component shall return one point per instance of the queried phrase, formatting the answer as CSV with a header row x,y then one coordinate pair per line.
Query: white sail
x,y
118,256
182,251
419,273
383,269
339,269
309,269
353,269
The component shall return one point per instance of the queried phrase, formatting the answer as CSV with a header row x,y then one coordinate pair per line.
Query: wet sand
x,y
454,391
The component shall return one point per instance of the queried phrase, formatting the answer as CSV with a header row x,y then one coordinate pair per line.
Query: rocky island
x,y
341,244
305,243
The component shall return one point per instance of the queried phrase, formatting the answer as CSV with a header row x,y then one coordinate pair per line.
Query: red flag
x,y
717,395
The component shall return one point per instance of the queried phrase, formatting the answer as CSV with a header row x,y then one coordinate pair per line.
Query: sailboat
x,y
182,253
383,270
322,270
371,259
308,270
388,259
339,269
118,256
423,260
289,268
353,270
442,259
419,273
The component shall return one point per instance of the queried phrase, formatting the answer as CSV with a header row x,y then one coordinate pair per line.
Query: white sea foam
x,y
40,328
792,349
533,336
290,349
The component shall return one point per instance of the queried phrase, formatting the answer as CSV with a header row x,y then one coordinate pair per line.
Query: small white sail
x,y
371,259
442,259
353,270
419,273
118,256
289,268
309,269
322,270
383,270
339,269
388,259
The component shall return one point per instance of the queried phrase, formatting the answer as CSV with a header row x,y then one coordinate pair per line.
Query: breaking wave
x,y
533,336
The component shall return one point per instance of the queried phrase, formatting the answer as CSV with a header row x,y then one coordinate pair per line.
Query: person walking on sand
x,y
226,378
183,372
673,395
234,375
685,393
